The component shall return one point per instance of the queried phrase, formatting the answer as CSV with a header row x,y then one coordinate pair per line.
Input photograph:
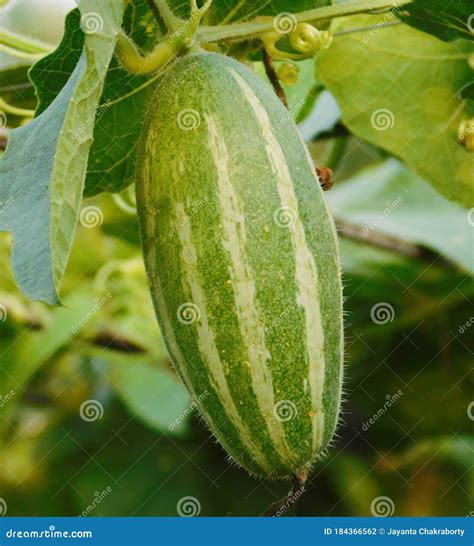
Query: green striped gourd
x,y
242,260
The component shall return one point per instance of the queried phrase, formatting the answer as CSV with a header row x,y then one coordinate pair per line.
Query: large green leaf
x,y
446,20
120,116
390,199
400,89
152,394
43,170
33,349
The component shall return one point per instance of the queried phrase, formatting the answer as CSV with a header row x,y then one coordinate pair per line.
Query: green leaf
x,y
400,89
33,349
152,394
16,88
123,102
43,170
446,20
388,198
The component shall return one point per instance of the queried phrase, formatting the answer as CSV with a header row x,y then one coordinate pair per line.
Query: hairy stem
x,y
252,29
172,22
21,43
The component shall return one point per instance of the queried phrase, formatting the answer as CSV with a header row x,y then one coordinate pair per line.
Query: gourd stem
x,y
172,22
22,43
252,29
9,109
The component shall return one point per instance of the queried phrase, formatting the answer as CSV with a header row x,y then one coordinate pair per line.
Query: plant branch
x,y
283,505
172,22
273,77
21,43
9,109
404,248
253,29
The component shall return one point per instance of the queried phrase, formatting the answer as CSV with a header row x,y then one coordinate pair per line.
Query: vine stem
x,y
172,22
23,44
252,29
9,109
273,77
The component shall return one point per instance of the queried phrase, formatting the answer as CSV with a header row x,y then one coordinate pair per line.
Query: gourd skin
x,y
242,261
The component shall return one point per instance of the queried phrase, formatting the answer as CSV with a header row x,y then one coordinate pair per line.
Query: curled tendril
x,y
288,73
305,40
466,133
